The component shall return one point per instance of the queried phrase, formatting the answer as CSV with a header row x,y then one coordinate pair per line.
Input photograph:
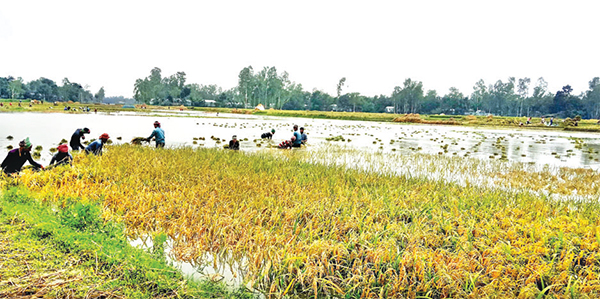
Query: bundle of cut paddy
x,y
138,140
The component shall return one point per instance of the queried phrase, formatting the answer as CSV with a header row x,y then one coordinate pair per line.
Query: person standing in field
x,y
159,134
63,156
304,137
96,146
234,144
76,138
15,159
297,141
268,135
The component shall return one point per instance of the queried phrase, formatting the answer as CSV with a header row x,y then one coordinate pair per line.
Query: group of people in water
x,y
16,158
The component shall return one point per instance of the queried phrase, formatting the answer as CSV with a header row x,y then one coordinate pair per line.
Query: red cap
x,y
63,148
104,136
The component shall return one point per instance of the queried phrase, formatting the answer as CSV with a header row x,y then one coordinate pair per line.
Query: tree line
x,y
272,89
512,97
45,89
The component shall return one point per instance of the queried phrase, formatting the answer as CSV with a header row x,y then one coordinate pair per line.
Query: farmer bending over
x,y
76,138
96,146
17,157
268,135
63,156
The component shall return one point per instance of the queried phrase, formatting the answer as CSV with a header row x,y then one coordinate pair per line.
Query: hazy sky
x,y
376,45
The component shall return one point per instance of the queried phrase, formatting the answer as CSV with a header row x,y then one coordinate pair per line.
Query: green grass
x,y
70,251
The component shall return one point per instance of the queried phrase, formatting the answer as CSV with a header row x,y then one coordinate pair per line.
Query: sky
x,y
376,45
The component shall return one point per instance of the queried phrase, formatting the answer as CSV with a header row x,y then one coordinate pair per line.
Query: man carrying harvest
x,y
76,138
96,146
17,157
159,133
63,156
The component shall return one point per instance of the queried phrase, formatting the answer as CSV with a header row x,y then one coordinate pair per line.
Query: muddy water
x,y
553,148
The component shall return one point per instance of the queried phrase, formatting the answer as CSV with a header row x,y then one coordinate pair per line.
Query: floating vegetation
x,y
119,138
53,150
9,147
62,141
9,137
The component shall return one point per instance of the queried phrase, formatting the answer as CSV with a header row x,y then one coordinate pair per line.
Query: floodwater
x,y
555,148
537,148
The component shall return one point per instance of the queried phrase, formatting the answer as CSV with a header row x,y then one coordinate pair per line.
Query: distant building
x,y
389,109
210,103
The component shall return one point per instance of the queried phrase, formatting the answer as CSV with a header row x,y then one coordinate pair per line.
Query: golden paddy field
x,y
311,230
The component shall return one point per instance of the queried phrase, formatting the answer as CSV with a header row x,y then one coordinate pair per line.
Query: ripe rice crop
x,y
315,230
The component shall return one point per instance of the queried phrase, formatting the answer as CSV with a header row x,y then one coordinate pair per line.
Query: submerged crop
x,y
313,229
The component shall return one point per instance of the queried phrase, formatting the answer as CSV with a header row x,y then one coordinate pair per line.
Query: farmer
x,y
76,138
159,133
96,146
287,143
63,156
268,135
303,136
297,141
17,157
234,144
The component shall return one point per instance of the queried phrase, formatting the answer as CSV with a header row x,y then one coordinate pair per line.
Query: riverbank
x,y
305,229
66,249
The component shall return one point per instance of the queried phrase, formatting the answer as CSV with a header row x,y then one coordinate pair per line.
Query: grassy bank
x,y
312,230
66,250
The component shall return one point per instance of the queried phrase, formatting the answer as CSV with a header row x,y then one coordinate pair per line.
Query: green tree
x,y
16,88
409,97
591,98
431,103
479,94
454,102
99,96
523,88
246,84
340,85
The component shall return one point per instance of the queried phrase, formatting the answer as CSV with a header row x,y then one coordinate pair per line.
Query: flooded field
x,y
555,148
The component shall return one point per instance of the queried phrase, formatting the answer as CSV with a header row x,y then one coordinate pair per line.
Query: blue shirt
x,y
159,134
95,147
304,138
298,138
